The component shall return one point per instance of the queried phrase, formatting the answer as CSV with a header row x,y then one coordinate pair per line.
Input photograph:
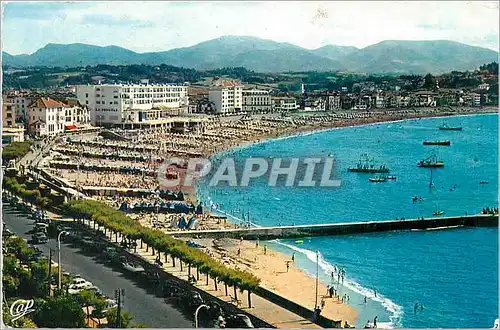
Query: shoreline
x,y
269,278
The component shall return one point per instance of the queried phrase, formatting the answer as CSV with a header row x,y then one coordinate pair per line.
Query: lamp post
x,y
196,314
59,257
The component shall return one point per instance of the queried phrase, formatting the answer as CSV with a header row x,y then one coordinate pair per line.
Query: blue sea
x,y
452,273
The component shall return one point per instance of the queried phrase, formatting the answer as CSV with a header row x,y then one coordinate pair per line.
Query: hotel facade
x,y
122,104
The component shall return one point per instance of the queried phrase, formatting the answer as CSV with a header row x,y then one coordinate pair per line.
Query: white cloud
x,y
155,26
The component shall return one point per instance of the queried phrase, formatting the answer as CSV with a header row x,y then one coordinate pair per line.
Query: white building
x,y
283,103
48,117
120,104
476,99
256,100
333,102
228,98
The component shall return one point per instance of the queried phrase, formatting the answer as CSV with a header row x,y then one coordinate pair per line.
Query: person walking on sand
x,y
323,302
239,252
287,266
265,249
293,257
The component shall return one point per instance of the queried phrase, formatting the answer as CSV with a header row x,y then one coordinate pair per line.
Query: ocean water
x,y
453,273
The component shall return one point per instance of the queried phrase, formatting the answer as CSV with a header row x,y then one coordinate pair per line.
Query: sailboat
x,y
432,161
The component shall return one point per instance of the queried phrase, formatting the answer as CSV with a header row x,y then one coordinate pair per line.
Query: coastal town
x,y
160,169
106,142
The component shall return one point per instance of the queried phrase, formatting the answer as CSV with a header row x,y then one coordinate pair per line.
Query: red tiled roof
x,y
47,102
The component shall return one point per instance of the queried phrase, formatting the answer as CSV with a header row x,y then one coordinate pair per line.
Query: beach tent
x,y
191,223
182,223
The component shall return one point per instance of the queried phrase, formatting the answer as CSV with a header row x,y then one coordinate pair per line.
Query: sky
x,y
159,26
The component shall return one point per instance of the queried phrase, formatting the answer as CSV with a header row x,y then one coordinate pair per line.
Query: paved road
x,y
145,307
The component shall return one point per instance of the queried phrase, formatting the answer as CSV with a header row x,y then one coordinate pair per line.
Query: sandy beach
x,y
270,267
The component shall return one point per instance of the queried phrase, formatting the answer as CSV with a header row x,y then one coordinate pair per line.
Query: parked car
x,y
40,225
131,267
39,238
73,289
111,303
81,283
110,254
7,232
191,300
238,321
96,291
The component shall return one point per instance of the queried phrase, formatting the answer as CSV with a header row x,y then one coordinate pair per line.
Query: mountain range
x,y
261,55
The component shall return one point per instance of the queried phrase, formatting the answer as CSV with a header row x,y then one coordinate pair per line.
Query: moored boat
x,y
437,143
446,127
391,177
366,165
432,161
438,213
378,179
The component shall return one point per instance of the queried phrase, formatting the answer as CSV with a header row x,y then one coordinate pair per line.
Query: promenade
x,y
261,308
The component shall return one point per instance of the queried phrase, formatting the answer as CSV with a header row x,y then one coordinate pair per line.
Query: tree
x,y
429,82
87,298
111,316
60,312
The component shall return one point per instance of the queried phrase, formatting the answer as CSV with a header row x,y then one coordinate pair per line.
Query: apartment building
x,y
333,102
227,98
49,117
24,98
424,99
8,113
256,101
284,103
121,104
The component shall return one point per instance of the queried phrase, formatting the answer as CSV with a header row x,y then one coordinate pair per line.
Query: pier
x,y
331,229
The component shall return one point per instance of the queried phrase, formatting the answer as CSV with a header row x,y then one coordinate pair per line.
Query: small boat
x,y
366,165
483,182
299,241
391,177
417,199
446,127
430,162
437,143
378,179
438,213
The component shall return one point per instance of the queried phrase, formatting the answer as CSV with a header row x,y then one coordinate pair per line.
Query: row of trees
x,y
118,222
32,196
15,151
28,276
